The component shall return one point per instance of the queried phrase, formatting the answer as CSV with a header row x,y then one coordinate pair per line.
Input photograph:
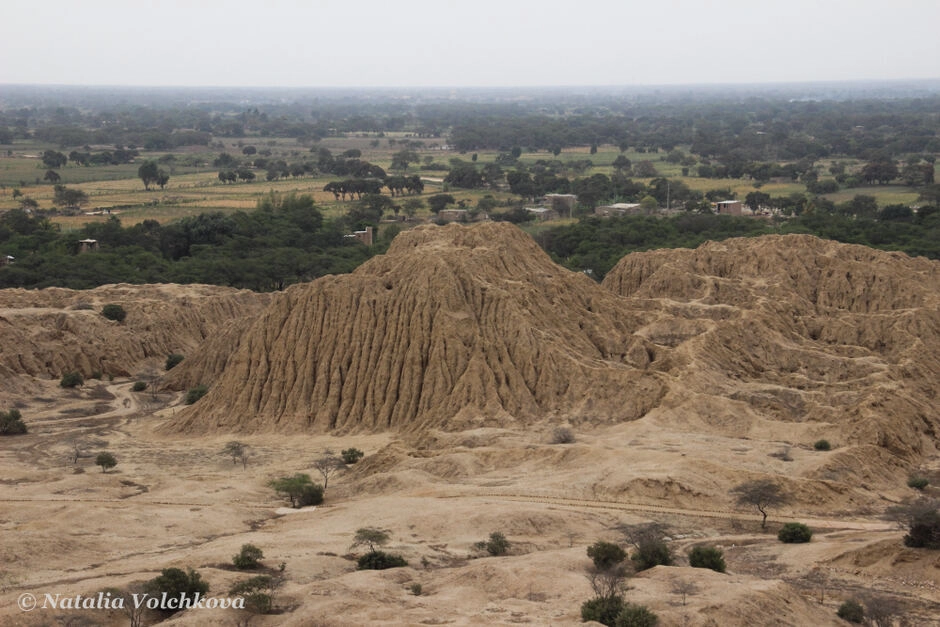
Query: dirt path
x,y
821,523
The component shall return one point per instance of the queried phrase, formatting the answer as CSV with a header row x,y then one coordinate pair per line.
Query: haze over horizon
x,y
486,43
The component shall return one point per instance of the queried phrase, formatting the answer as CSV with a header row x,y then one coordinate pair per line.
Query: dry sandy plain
x,y
175,499
70,529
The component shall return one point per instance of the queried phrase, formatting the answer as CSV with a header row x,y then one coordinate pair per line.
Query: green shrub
x,y
299,489
139,386
604,610
636,616
173,360
351,455
380,560
606,554
11,423
248,558
311,494
194,394
822,445
924,527
416,589
257,593
177,584
851,611
496,545
114,312
917,482
96,374
707,557
794,533
71,380
651,552
106,461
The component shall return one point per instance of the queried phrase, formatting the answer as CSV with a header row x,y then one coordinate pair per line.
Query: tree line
x,y
285,240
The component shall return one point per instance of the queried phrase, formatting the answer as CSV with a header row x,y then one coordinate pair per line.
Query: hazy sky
x,y
465,42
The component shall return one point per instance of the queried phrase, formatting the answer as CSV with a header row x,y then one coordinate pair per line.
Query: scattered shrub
x,y
604,610
707,557
177,584
917,482
416,589
636,616
71,380
96,374
107,461
114,312
924,531
606,554
311,495
380,560
194,394
351,455
11,423
248,558
851,611
139,386
256,600
822,445
794,533
783,454
651,552
173,360
562,435
496,545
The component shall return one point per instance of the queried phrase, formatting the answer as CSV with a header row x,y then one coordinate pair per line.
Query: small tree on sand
x,y
299,489
107,461
760,493
238,451
371,537
328,465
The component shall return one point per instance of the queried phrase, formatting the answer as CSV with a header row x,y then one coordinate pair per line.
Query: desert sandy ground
x,y
67,528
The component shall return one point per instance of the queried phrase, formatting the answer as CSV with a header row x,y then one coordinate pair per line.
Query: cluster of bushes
x,y
607,577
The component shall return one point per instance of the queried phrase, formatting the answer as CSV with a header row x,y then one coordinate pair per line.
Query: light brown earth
x,y
685,374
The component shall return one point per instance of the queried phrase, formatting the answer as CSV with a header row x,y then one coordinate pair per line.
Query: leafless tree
x,y
683,588
608,583
882,611
328,465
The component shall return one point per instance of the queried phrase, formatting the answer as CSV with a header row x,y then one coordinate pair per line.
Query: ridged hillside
x,y
53,331
455,326
802,329
459,326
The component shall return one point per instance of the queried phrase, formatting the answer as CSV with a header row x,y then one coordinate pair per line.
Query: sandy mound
x,y
53,331
460,327
798,329
454,327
